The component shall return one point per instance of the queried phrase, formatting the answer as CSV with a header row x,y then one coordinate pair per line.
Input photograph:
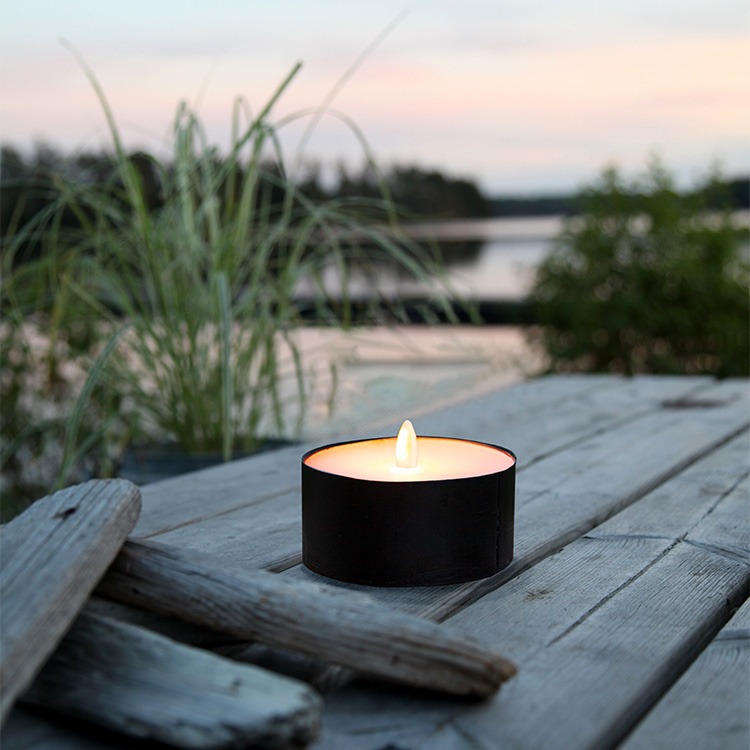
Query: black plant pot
x,y
151,463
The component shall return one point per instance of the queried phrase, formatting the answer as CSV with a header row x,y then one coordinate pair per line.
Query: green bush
x,y
645,279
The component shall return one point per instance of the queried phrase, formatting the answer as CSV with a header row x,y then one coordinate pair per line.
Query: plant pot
x,y
152,463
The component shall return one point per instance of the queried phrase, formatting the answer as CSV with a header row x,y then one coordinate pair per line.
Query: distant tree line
x,y
734,193
31,184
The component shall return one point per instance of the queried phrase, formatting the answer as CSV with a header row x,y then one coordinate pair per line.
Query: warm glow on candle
x,y
381,459
406,447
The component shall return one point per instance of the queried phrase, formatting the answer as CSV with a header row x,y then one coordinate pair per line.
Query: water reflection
x,y
487,260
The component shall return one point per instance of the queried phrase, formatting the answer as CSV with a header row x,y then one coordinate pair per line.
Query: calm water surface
x,y
487,260
509,251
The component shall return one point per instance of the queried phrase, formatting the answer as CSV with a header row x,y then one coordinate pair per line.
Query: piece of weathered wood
x,y
51,557
28,728
147,686
321,622
709,706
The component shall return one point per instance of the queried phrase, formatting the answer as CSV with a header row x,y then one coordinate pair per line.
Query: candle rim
x,y
499,448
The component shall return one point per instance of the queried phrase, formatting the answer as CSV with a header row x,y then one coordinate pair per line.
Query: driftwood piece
x,y
129,679
327,624
51,557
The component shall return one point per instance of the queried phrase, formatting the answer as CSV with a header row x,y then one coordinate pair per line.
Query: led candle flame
x,y
406,447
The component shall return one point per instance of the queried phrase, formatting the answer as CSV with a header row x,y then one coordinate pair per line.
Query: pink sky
x,y
522,99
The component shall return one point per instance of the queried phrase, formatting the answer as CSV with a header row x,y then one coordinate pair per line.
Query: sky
x,y
523,96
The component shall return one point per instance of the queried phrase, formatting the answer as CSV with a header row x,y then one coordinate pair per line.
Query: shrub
x,y
645,279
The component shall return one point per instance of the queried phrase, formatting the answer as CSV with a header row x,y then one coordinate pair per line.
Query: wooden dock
x,y
625,610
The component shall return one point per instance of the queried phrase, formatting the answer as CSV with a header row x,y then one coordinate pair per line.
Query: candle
x,y
408,510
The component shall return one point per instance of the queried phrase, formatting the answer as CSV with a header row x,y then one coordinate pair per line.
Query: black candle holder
x,y
407,533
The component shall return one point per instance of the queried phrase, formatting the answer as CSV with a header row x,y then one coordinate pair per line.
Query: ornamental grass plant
x,y
174,290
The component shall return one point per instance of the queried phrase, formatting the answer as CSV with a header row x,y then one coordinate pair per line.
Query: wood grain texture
x,y
564,496
612,619
587,672
146,686
709,706
173,503
630,541
612,665
320,622
547,415
274,526
534,418
52,556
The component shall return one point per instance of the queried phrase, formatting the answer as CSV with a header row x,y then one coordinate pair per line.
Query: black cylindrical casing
x,y
407,533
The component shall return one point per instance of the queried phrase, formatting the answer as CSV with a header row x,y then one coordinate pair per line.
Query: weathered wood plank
x,y
51,557
594,675
535,426
192,497
680,504
534,419
662,597
254,537
562,497
320,622
709,706
173,503
146,686
611,666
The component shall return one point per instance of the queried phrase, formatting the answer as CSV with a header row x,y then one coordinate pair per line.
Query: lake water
x,y
488,260
510,251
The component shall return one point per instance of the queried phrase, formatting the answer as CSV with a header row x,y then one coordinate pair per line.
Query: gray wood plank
x,y
614,664
174,502
51,557
564,496
662,598
321,622
549,415
262,535
680,504
595,674
192,497
535,419
146,686
709,706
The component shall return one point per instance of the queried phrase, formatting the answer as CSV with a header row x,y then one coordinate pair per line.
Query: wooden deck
x,y
625,609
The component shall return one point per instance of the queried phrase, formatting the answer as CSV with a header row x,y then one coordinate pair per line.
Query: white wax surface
x,y
438,458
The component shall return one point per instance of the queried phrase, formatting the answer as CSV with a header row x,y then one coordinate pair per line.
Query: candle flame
x,y
406,447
